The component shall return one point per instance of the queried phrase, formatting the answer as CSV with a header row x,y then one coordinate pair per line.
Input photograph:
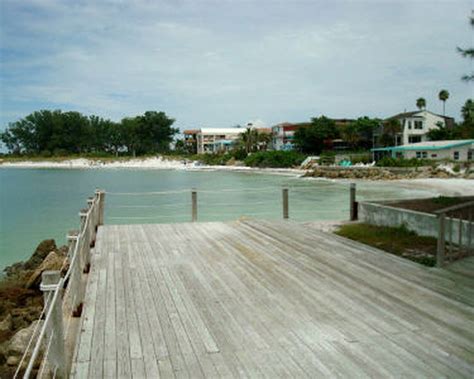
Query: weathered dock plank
x,y
267,299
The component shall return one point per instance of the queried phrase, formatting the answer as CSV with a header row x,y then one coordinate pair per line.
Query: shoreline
x,y
442,186
158,163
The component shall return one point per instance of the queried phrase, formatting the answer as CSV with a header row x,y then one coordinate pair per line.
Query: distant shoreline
x,y
446,187
152,163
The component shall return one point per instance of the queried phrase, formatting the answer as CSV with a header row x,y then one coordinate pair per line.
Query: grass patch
x,y
399,241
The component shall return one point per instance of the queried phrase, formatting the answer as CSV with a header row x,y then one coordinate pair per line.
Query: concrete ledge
x,y
425,224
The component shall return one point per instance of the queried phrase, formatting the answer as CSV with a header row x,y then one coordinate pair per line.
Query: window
x,y
414,139
409,124
418,124
469,155
418,154
456,155
434,155
424,154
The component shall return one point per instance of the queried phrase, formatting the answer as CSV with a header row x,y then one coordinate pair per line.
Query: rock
x,y
53,261
19,341
13,360
41,252
6,324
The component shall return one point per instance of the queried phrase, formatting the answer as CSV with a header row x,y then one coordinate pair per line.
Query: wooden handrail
x,y
455,207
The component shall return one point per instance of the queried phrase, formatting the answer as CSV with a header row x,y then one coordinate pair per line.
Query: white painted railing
x,y
63,297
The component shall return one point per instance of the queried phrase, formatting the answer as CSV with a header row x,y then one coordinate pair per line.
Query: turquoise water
x,y
36,204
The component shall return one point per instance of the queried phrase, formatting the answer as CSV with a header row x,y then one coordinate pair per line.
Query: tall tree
x,y
391,129
443,96
468,53
421,103
311,139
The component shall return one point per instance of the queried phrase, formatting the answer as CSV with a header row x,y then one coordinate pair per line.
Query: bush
x,y
275,159
239,154
327,157
213,159
402,162
457,168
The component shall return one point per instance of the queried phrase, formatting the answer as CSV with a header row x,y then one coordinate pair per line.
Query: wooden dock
x,y
267,299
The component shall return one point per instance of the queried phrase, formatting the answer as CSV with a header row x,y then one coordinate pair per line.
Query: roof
x,y
427,145
191,131
414,113
220,131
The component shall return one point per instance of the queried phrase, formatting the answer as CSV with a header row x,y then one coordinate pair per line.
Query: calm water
x,y
36,204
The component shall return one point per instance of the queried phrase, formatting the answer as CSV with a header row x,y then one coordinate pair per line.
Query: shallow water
x,y
36,204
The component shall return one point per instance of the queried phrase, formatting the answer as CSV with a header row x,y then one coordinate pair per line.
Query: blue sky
x,y
222,63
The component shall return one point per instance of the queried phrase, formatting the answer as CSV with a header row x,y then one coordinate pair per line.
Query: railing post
x,y
50,281
76,271
93,221
83,251
194,205
440,253
101,204
469,230
353,203
285,203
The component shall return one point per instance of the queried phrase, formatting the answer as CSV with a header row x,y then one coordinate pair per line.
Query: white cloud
x,y
220,62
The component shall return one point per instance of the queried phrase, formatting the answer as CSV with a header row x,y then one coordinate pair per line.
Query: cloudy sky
x,y
222,63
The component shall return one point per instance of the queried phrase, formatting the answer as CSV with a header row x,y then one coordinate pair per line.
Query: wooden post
x,y
285,203
194,205
469,230
441,240
75,280
101,203
50,281
353,203
93,221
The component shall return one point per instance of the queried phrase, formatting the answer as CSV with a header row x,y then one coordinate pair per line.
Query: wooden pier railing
x,y
63,297
458,220
49,352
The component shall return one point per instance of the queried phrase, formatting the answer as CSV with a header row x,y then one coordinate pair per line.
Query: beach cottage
x,y
455,150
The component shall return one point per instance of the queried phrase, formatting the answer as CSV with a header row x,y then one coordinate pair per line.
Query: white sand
x,y
157,163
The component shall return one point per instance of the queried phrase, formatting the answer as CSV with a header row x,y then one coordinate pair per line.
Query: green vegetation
x,y
462,130
402,162
421,103
56,133
399,241
445,201
274,159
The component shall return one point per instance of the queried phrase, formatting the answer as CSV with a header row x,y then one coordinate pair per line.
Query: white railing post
x,y
51,282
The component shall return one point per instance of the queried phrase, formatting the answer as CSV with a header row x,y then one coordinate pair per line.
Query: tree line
x,y
47,133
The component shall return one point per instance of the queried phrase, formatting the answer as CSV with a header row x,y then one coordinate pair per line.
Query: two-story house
x,y
416,125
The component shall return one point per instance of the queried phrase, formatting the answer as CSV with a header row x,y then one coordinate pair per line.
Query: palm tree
x,y
420,103
443,96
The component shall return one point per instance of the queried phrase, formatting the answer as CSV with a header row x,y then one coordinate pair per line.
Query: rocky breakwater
x,y
377,173
21,302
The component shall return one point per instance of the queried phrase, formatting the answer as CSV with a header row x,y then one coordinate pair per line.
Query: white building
x,y
213,140
455,150
416,125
